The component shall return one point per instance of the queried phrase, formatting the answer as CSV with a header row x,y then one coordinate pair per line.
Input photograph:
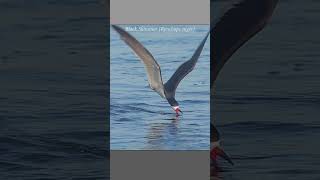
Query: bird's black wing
x,y
150,64
184,69
235,27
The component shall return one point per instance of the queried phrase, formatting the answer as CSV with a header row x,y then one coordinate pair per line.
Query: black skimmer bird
x,y
237,25
168,89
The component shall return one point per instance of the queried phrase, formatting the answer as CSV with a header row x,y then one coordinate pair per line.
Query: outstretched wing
x,y
184,69
235,27
150,64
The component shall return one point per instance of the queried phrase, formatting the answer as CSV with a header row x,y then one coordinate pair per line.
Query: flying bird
x,y
237,25
165,90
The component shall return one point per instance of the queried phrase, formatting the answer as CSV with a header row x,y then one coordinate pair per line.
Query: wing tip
x,y
117,28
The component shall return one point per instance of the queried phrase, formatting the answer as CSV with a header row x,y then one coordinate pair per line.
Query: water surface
x,y
53,90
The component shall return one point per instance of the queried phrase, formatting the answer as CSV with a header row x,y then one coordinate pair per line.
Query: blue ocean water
x,y
53,90
140,119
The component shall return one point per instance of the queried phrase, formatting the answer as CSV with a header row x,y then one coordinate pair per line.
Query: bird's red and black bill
x,y
218,152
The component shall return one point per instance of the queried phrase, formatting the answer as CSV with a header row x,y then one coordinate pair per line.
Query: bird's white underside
x,y
175,107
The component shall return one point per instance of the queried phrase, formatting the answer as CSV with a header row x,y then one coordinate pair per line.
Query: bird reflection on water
x,y
159,132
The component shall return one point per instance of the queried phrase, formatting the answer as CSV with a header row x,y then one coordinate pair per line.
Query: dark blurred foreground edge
x,y
54,89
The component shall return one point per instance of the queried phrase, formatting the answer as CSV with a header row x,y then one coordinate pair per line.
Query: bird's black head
x,y
175,105
215,147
